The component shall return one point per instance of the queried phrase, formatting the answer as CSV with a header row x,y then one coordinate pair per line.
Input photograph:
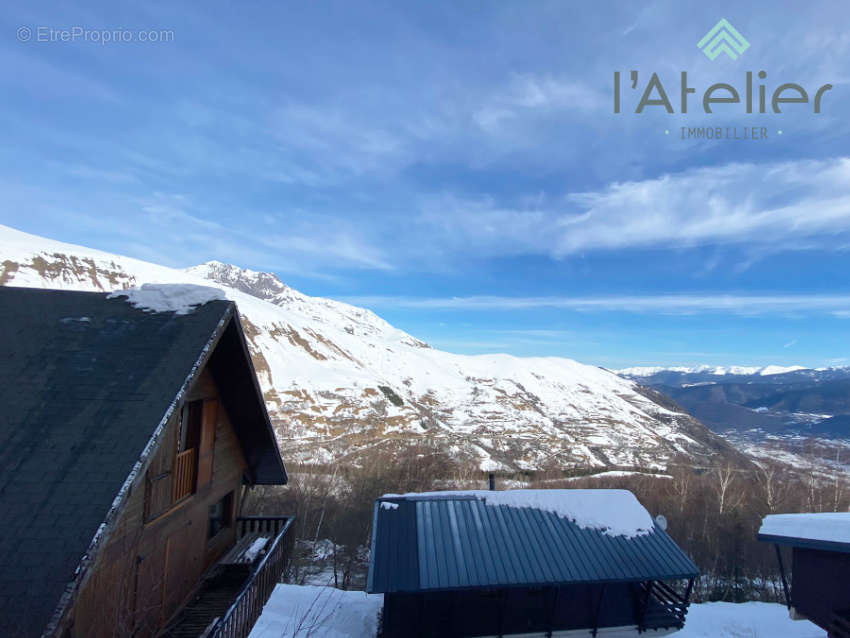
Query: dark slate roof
x,y
85,381
463,542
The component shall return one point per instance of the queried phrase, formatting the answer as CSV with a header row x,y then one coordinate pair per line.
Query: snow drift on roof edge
x,y
616,512
178,298
833,527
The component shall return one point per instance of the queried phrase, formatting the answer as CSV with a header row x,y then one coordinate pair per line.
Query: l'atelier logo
x,y
723,38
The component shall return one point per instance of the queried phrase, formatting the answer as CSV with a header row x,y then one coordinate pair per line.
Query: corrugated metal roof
x,y
462,542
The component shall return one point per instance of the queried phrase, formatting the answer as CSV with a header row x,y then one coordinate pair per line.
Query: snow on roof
x,y
833,527
616,512
177,298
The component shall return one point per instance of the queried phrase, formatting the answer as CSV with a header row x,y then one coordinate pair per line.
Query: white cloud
x,y
837,305
779,206
533,94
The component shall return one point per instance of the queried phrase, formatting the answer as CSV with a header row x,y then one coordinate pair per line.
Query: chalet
x,y
129,438
526,562
820,566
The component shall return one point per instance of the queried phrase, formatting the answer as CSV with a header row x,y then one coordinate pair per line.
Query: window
x,y
190,425
221,515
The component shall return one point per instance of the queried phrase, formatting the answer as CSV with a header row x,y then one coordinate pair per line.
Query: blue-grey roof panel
x,y
463,542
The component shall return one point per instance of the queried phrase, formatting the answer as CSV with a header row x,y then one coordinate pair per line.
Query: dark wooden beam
x,y
782,574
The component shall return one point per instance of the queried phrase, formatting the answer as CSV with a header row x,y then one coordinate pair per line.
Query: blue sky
x,y
456,166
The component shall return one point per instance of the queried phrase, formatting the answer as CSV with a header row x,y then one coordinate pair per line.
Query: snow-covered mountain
x,y
339,380
719,371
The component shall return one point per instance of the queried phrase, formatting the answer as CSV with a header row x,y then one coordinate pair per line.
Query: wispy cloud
x,y
772,206
742,305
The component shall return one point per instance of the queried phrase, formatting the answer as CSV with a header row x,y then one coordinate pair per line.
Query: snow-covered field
x,y
295,611
745,620
323,612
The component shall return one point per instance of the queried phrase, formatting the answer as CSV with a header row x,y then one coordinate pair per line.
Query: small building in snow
x,y
525,562
820,566
131,427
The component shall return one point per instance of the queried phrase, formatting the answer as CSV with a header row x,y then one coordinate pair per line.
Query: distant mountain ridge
x,y
792,400
719,371
339,381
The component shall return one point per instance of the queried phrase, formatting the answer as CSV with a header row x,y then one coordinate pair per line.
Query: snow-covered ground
x,y
295,611
322,612
745,620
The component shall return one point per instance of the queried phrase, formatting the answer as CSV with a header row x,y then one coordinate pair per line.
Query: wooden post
x,y
596,614
782,574
550,624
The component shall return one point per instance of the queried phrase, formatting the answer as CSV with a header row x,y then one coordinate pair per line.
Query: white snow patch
x,y
827,526
324,612
745,620
256,547
616,512
177,298
299,611
386,505
615,474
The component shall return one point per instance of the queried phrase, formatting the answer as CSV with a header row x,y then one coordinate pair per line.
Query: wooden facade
x,y
177,522
126,451
820,589
818,586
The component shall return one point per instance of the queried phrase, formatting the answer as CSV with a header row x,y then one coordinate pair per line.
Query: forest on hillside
x,y
713,512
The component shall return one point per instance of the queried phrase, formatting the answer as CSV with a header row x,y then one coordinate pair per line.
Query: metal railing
x,y
184,475
248,604
261,524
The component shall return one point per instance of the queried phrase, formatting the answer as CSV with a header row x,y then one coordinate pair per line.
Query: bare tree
x,y
729,497
772,478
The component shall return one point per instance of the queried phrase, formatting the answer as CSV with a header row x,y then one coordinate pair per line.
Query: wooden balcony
x,y
232,595
184,475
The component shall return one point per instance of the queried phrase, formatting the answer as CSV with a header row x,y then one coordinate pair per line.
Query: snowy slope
x,y
339,380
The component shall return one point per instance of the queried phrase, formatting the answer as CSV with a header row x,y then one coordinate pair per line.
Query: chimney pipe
x,y
492,478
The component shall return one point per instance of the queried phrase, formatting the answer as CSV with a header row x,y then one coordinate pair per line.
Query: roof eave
x,y
805,543
284,477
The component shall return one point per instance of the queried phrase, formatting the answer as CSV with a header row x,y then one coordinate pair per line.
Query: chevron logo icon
x,y
723,38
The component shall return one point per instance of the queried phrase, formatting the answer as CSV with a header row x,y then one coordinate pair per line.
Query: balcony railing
x,y
663,606
248,604
840,627
184,475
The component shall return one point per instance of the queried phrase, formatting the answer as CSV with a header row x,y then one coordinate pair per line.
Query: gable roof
x,y
828,531
429,542
87,384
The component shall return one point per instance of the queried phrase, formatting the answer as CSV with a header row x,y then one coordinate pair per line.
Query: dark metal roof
x,y
463,542
85,383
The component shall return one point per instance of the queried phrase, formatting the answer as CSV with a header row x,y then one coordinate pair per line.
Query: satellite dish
x,y
661,521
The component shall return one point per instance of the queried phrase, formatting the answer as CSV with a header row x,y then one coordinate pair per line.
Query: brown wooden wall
x,y
150,567
820,584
